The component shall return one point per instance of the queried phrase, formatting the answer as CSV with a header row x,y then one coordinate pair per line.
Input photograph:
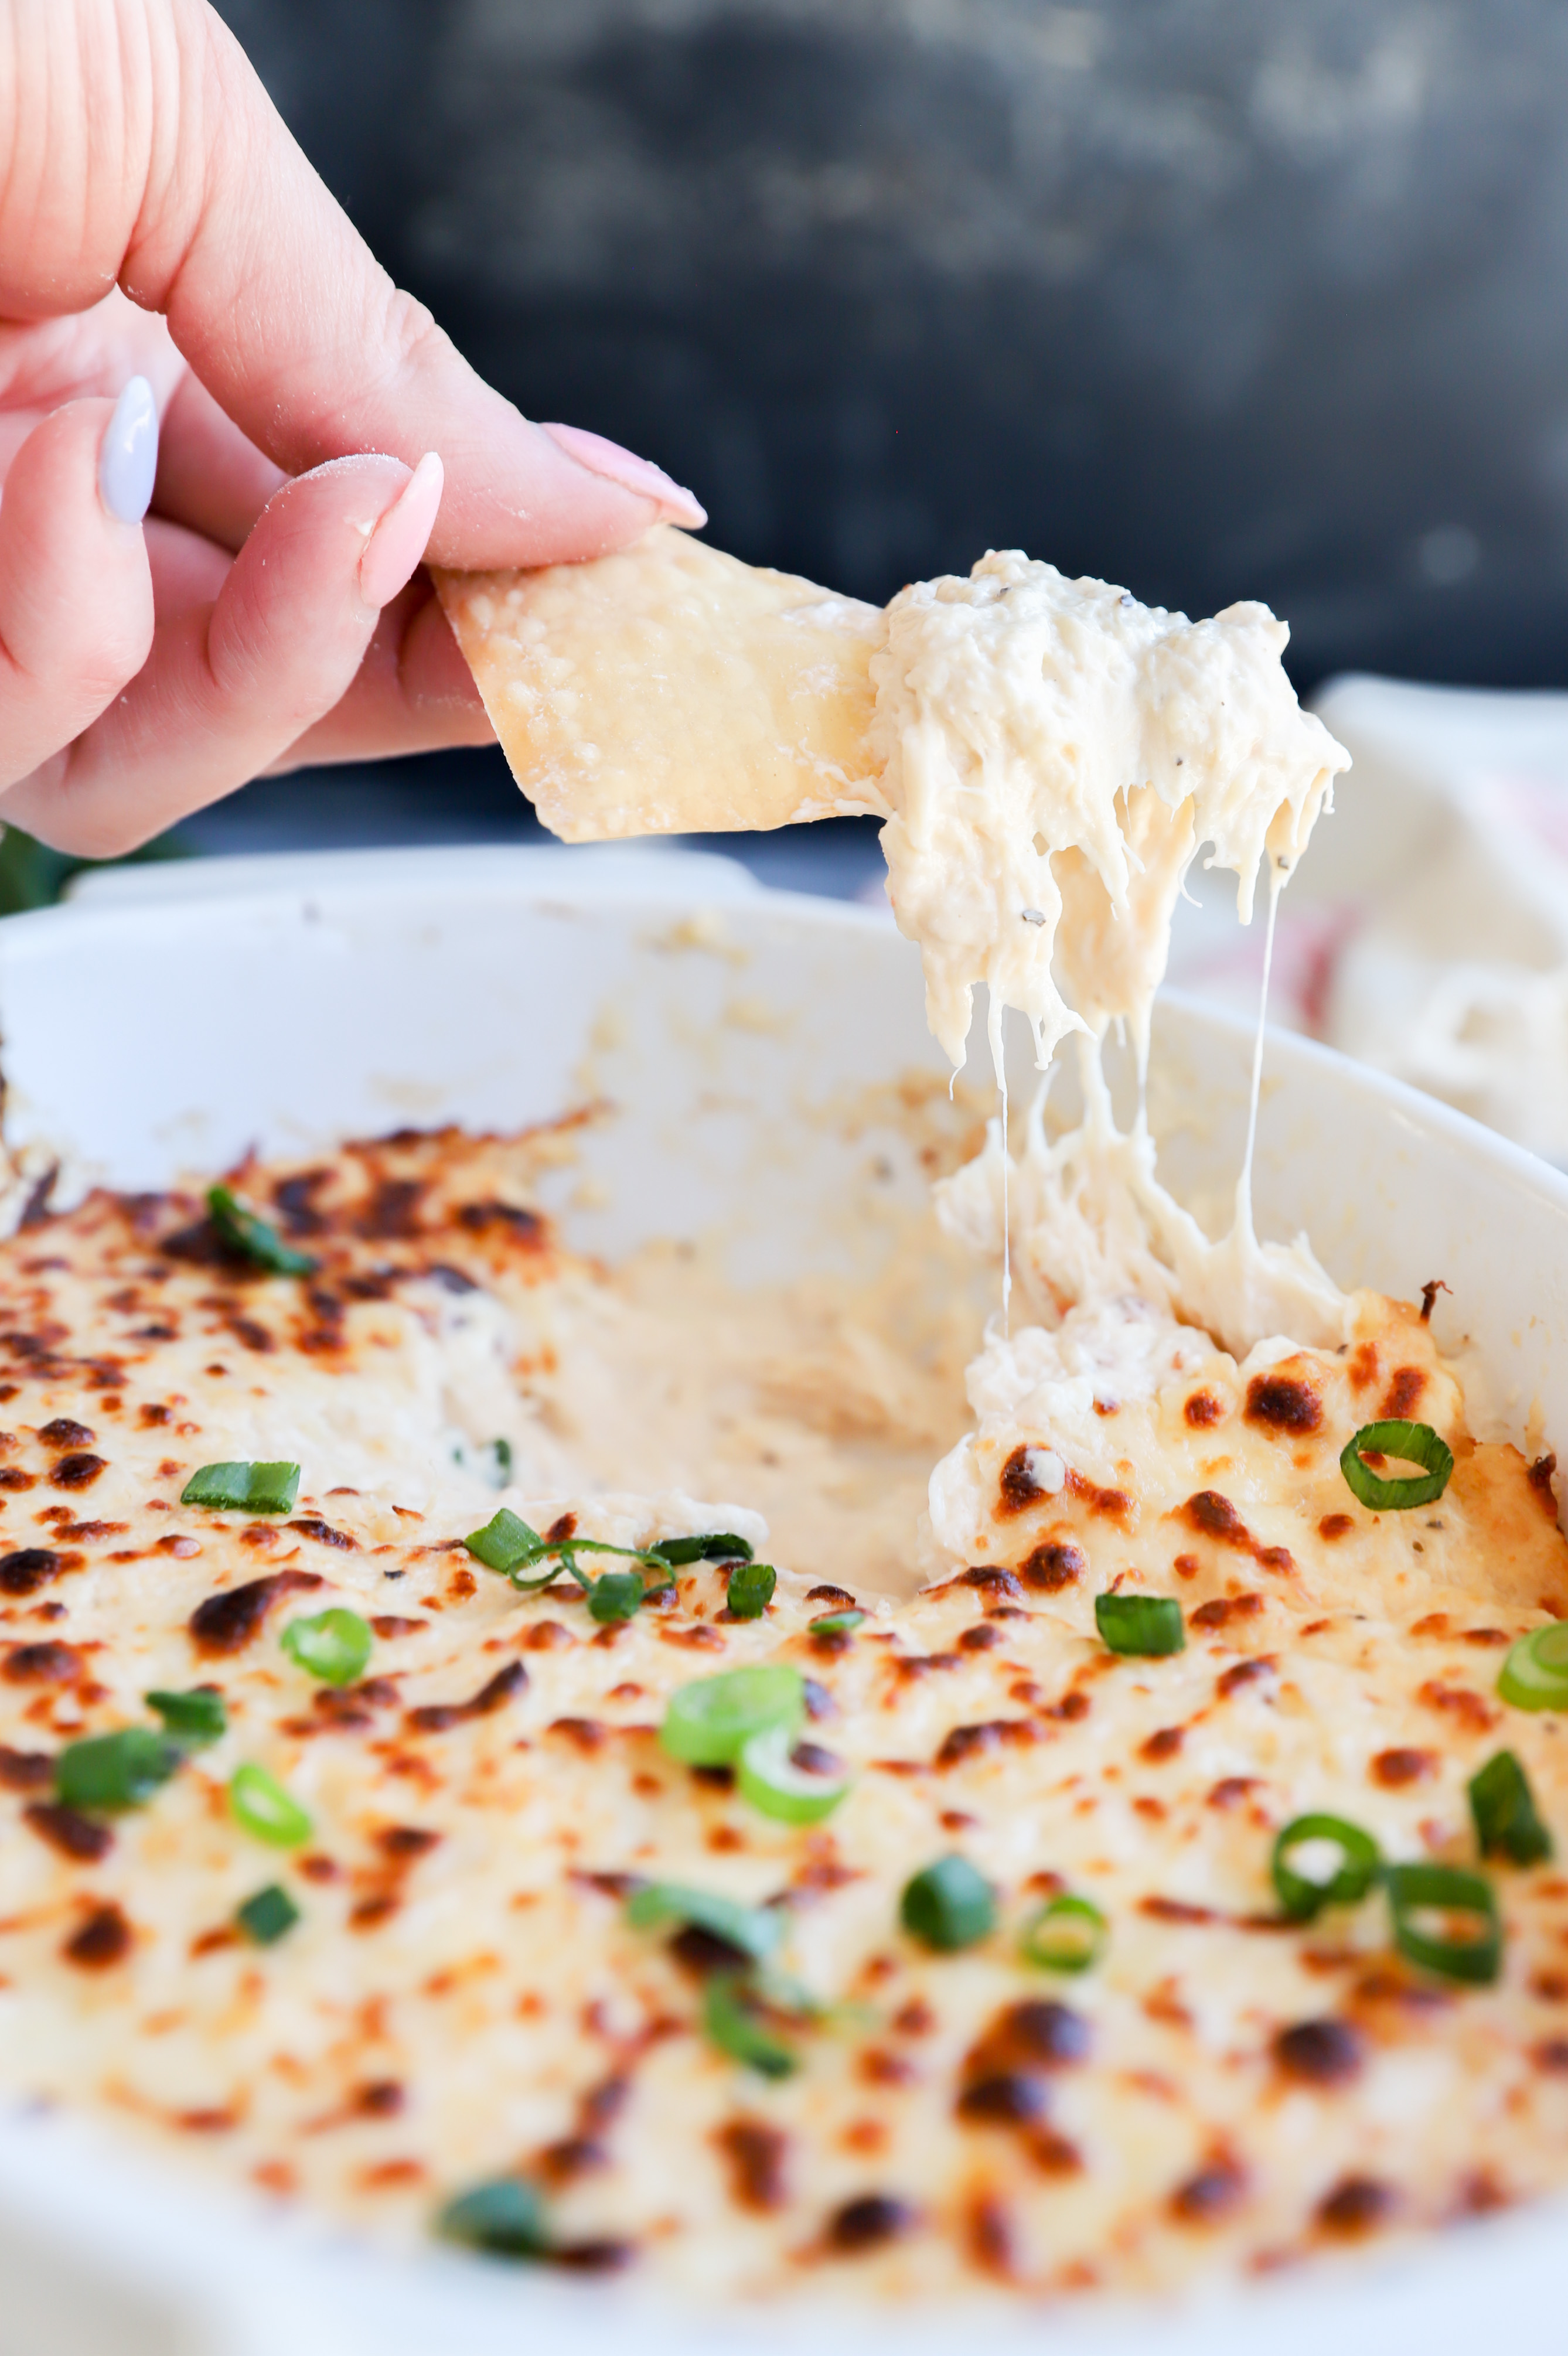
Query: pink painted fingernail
x,y
399,541
634,474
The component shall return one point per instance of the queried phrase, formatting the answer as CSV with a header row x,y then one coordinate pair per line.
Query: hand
x,y
178,292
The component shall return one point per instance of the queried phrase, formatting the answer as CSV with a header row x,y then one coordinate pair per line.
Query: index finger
x,y
159,160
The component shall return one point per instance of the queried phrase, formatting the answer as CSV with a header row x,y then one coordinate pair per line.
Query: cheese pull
x,y
673,689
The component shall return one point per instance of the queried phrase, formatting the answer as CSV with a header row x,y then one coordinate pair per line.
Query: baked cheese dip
x,y
660,1907
497,1747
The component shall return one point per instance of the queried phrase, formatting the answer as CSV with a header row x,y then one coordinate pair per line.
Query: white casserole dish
x,y
150,1030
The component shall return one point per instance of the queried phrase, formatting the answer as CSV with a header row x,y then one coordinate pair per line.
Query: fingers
x,y
212,478
412,693
230,686
139,146
76,593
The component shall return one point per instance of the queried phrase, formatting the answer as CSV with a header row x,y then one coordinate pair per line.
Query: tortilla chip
x,y
673,689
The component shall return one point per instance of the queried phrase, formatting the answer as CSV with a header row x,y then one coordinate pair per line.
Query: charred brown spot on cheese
x,y
840,1597
234,1617
389,1625
1038,2033
1403,1395
1202,1408
1176,1910
584,1734
42,1665
1212,2194
62,1434
990,1734
1539,1478
1320,2053
1008,2098
868,2222
1019,1488
11,1477
1115,1504
1394,1769
1053,2154
990,1580
25,1771
1163,1743
549,1636
880,2068
1226,1608
1467,1709
436,1718
1356,2206
981,1638
1283,1403
26,1569
989,2236
758,2156
1334,1525
1053,1565
83,1839
77,1471
1245,1673
102,1939
310,1527
509,1220
561,1527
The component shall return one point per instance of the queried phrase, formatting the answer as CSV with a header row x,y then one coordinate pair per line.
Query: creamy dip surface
x,y
465,1918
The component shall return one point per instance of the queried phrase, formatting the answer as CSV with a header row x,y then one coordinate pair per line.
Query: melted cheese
x,y
463,1995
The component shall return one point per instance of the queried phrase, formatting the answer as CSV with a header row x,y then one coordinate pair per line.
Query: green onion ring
x,y
1301,1897
1145,1625
1413,1889
334,1646
753,1930
775,1785
116,1771
258,1802
1503,1807
505,2219
1416,1443
948,1906
1535,1674
709,1722
1068,1935
731,2024
750,1588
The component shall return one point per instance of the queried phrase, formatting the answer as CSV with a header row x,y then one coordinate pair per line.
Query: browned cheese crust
x,y
463,1995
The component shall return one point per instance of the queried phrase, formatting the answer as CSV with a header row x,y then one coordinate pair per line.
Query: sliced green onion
x,y
1535,1671
1303,1895
835,1624
1413,1443
505,2219
753,1930
1144,1624
244,1488
750,1590
731,2024
506,1544
268,1915
708,1722
1473,1955
334,1646
769,1778
258,1802
616,1596
115,1771
718,1545
254,1237
1068,1935
949,1905
193,1720
1503,1807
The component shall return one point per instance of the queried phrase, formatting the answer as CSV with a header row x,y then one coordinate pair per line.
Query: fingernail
x,y
400,540
128,456
634,474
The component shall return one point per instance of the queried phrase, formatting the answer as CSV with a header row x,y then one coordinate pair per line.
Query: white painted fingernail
x,y
128,458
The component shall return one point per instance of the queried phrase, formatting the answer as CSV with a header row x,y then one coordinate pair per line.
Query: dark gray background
x,y
1217,298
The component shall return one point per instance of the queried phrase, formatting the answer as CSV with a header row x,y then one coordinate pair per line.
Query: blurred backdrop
x,y
1213,297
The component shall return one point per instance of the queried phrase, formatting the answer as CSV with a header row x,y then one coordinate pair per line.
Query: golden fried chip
x,y
673,689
